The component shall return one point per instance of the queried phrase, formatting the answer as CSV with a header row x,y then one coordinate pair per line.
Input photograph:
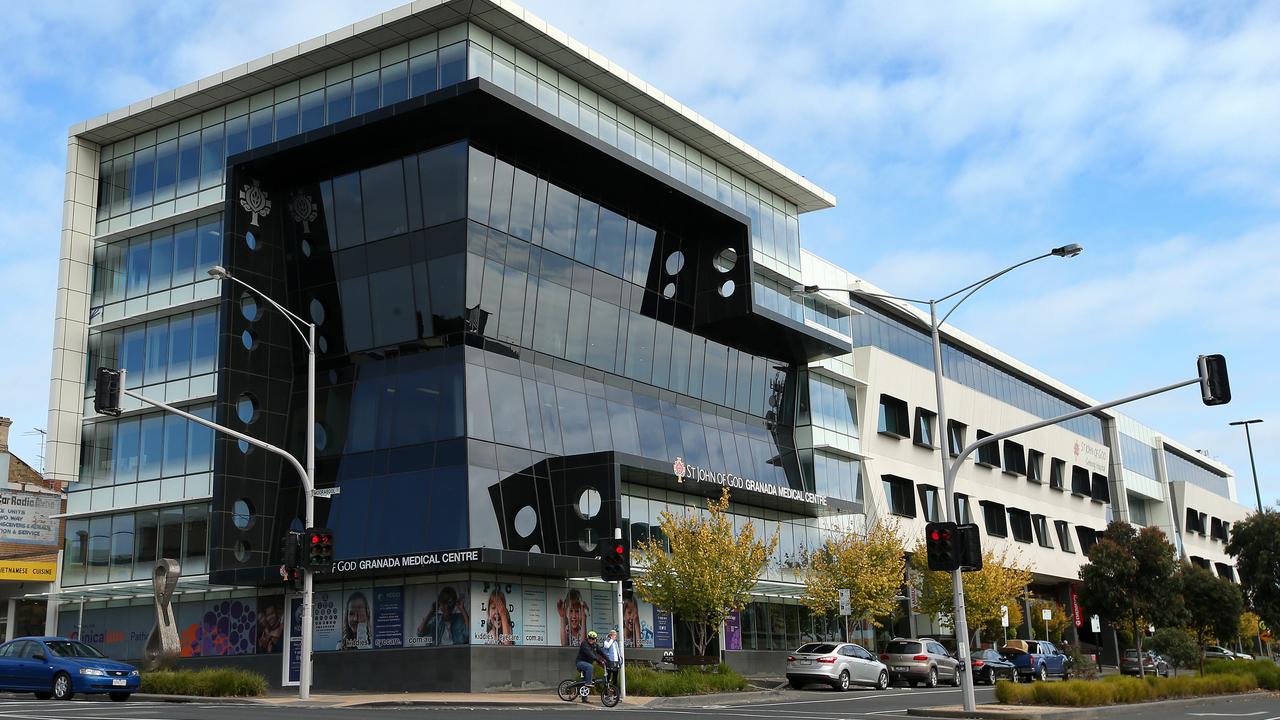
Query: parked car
x,y
57,667
1242,655
1036,659
989,666
836,664
1152,664
918,660
1214,652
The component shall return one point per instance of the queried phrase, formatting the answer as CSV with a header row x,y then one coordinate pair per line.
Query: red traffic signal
x,y
941,550
320,550
615,563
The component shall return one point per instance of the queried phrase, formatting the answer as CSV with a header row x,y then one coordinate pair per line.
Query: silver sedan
x,y
839,665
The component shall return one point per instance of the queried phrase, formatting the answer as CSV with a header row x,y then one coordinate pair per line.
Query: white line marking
x,y
851,699
1260,712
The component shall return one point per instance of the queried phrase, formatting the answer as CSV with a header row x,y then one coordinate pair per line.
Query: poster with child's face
x,y
355,622
573,608
437,614
637,623
496,606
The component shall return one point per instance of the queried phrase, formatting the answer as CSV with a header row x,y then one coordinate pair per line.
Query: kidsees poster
x,y
496,607
534,627
437,614
573,613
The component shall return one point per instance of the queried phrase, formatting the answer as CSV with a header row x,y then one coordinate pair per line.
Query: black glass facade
x,y
510,322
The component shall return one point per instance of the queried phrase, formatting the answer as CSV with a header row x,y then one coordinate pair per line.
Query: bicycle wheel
x,y
609,696
568,690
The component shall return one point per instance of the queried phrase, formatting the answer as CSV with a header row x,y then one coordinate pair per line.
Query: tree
x,y
1255,544
1057,621
1213,605
869,566
1000,582
709,570
1179,648
1129,578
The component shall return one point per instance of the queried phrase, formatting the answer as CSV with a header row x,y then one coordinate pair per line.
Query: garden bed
x,y
1120,690
224,682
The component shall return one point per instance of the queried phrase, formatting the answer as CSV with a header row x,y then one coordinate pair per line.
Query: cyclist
x,y
589,653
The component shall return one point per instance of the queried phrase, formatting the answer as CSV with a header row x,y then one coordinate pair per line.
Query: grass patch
x,y
1119,690
222,682
1265,672
686,681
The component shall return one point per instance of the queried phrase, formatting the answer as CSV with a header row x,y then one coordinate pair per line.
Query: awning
x,y
132,590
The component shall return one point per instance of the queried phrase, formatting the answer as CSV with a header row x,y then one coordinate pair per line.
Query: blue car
x,y
57,667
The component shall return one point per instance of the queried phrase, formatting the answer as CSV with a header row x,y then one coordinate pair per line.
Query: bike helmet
x,y
593,635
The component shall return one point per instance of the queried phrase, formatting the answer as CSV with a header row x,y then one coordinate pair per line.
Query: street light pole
x,y
950,468
309,484
1246,423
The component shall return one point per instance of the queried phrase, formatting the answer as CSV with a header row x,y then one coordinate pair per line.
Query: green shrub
x,y
686,681
1119,689
1265,672
222,682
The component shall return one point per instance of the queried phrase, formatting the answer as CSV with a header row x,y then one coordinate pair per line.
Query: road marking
x,y
1260,712
851,699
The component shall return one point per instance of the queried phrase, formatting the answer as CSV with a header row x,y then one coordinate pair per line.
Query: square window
x,y
1035,466
1064,536
1099,489
893,417
897,492
1057,473
1080,484
963,516
1020,525
925,422
993,515
930,500
956,433
1041,525
988,454
1015,458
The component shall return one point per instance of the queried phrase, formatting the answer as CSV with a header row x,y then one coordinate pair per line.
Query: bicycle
x,y
573,689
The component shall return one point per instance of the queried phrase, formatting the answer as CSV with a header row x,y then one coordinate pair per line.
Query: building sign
x,y
26,518
1077,612
686,472
1092,456
432,560
29,571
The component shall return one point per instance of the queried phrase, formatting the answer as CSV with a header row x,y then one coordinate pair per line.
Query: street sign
x,y
327,492
845,607
1004,616
1046,614
1095,623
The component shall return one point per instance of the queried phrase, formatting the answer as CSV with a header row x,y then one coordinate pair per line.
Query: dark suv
x,y
920,660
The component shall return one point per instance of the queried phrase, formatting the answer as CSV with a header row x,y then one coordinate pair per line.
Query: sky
x,y
958,138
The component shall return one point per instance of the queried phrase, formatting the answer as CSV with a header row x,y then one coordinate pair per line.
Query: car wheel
x,y
62,687
43,695
955,677
883,681
119,697
991,676
932,682
795,684
842,683
1043,674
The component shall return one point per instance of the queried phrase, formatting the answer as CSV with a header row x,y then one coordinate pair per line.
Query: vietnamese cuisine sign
x,y
26,518
685,471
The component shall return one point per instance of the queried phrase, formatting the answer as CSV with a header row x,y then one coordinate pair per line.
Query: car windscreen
x,y
816,648
1131,653
902,647
73,649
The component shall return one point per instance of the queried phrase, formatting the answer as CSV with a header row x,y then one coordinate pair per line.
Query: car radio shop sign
x,y
27,518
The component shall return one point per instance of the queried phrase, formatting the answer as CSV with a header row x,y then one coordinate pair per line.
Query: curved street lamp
x,y
948,472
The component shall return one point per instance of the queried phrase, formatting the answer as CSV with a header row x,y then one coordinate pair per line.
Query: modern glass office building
x,y
550,302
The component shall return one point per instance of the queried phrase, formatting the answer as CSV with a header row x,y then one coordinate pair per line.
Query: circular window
x,y
251,240
726,288
588,539
306,248
249,340
245,448
322,344
242,551
249,308
317,312
675,262
725,260
669,291
589,503
526,521
295,525
322,437
242,514
247,408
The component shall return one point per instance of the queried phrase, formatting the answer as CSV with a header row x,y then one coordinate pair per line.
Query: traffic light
x,y
969,542
319,549
291,550
628,589
940,539
1214,387
615,563
106,396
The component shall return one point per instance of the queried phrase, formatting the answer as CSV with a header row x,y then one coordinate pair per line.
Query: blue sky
x,y
958,138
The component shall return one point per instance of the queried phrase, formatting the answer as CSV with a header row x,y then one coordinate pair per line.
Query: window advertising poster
x,y
602,602
295,641
496,607
662,637
343,620
218,627
437,614
388,617
534,629
637,623
573,608
270,624
733,630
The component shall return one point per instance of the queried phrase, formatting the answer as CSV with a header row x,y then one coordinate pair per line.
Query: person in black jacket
x,y
588,654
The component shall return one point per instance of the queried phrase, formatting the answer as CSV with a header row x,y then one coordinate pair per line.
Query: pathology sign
x,y
26,518
1095,457
427,560
692,473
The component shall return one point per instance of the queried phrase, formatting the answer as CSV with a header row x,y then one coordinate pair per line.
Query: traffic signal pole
x,y
622,633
